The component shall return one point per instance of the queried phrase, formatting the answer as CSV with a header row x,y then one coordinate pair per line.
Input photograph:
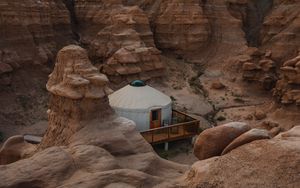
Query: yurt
x,y
146,106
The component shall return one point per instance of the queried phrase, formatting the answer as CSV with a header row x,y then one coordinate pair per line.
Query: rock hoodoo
x,y
86,144
287,88
78,93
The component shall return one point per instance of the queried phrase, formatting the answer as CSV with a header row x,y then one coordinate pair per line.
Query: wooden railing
x,y
180,117
188,127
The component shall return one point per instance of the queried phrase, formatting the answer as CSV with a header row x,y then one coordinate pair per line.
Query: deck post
x,y
166,146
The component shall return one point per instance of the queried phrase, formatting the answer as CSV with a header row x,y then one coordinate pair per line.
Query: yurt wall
x,y
142,117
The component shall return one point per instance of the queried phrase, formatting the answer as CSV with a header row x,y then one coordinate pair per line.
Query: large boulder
x,y
212,142
247,137
14,149
263,163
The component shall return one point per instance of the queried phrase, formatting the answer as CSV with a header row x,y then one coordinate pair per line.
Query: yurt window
x,y
155,119
154,115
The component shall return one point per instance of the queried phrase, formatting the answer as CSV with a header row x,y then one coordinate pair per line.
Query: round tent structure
x,y
146,106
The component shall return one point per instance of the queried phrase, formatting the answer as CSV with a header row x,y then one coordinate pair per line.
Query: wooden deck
x,y
183,126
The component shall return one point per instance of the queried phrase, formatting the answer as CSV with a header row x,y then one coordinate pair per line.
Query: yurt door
x,y
155,118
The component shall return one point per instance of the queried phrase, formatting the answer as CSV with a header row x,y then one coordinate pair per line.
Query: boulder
x,y
259,115
13,149
212,142
264,163
274,131
247,137
217,85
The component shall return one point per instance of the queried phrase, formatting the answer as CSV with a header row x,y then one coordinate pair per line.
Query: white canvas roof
x,y
138,98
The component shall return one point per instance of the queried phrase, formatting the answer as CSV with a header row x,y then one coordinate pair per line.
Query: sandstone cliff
x,y
287,88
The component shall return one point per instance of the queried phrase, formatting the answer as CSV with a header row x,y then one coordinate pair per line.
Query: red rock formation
x,y
287,88
32,31
258,67
111,29
181,27
93,16
131,63
74,85
280,30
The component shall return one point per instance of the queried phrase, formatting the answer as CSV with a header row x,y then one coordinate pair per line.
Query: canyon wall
x,y
128,39
280,32
32,32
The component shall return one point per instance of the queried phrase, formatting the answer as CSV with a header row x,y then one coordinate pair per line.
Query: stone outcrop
x,y
32,32
258,67
280,30
252,14
75,84
262,163
131,63
86,144
120,37
247,137
181,27
14,149
288,87
211,142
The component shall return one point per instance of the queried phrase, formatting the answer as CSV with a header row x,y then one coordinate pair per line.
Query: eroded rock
x,y
265,163
287,89
247,137
85,143
14,149
211,142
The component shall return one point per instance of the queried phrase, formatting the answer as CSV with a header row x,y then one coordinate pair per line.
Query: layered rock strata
x,y
257,66
77,94
279,32
181,27
287,89
86,145
32,32
121,38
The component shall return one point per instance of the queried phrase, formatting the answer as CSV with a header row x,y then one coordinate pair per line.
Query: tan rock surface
x,y
279,33
172,24
14,149
32,31
211,142
263,163
121,37
287,88
247,137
